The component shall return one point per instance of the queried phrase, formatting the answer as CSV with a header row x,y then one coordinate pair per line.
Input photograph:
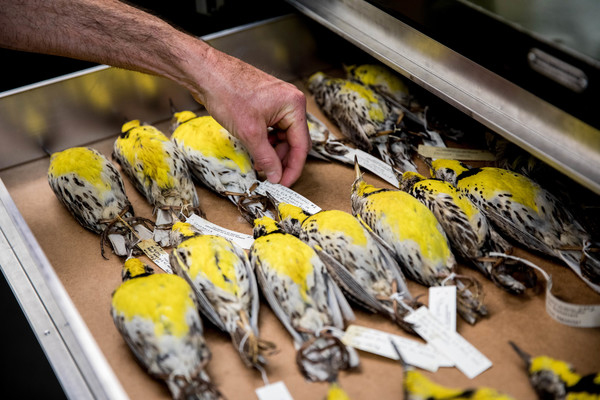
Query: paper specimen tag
x,y
208,228
576,315
442,304
274,391
465,356
156,254
286,195
377,342
454,153
373,164
582,316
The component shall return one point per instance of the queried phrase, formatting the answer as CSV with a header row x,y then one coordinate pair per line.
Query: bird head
x,y
447,170
264,226
291,218
182,117
360,188
365,73
315,80
181,231
127,126
135,268
550,378
408,180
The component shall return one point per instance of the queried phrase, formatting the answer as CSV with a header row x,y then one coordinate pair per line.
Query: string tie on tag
x,y
334,331
448,278
263,374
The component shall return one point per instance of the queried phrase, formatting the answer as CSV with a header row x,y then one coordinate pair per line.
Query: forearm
x,y
244,99
101,31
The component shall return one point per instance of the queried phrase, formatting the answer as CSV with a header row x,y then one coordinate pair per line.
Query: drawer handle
x,y
557,70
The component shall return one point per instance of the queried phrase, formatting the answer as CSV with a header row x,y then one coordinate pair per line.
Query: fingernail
x,y
273,176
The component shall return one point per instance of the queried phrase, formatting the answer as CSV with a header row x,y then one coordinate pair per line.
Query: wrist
x,y
196,67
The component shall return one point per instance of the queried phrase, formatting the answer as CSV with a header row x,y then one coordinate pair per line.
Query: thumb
x,y
266,160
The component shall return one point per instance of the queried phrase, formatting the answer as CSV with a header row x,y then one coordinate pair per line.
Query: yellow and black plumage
x,y
217,159
527,213
416,386
359,262
304,297
359,112
383,80
224,281
368,115
157,316
394,89
157,168
468,230
92,189
554,379
416,238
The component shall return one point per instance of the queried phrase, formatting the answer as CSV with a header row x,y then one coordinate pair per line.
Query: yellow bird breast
x,y
83,162
135,267
291,211
206,136
418,385
334,221
409,219
493,181
146,145
378,75
335,392
364,189
213,257
453,165
287,256
376,113
163,299
361,90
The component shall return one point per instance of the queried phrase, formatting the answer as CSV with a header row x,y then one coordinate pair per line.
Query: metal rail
x,y
73,354
561,140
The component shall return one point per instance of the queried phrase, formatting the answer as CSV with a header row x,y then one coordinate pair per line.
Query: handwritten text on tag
x,y
442,304
287,195
464,355
156,254
377,342
208,228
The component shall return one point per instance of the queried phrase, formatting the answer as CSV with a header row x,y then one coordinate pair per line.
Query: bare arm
x,y
242,98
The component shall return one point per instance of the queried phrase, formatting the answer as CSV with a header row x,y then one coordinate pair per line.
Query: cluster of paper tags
x,y
435,324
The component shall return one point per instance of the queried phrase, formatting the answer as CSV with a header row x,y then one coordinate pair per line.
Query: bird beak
x,y
274,202
524,356
357,169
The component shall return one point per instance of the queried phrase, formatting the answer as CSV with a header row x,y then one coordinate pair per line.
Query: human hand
x,y
248,102
242,98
